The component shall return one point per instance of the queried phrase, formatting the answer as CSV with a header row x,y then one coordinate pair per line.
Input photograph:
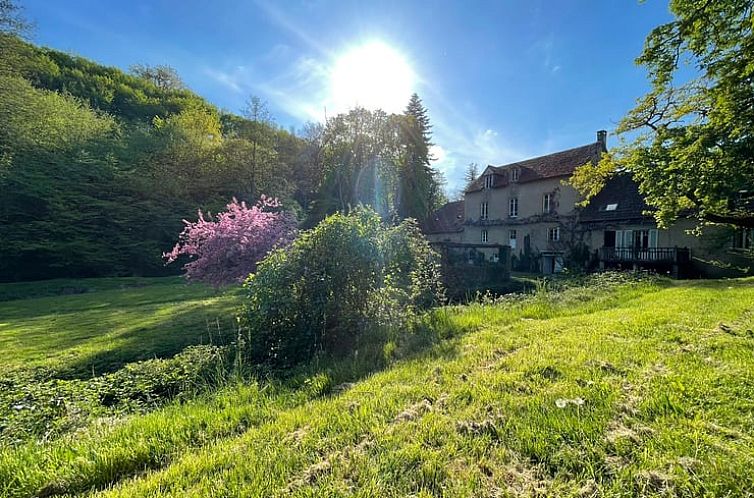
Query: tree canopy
x,y
99,167
692,145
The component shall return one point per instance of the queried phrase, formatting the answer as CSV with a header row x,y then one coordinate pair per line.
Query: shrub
x,y
349,279
227,250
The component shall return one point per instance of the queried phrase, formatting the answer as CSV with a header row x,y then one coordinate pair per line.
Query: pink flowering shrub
x,y
227,249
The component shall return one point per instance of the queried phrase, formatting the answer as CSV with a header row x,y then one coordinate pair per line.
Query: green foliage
x,y
46,409
376,159
348,281
98,167
611,389
162,76
420,190
695,149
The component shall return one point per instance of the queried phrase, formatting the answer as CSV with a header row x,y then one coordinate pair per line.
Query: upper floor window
x,y
513,207
485,236
514,174
547,203
483,210
553,234
489,181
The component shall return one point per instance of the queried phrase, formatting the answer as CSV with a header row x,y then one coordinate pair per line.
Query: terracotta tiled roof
x,y
619,200
448,218
550,166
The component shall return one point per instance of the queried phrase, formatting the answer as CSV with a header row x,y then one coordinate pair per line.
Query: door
x,y
548,265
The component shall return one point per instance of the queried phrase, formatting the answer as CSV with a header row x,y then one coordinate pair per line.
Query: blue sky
x,y
503,80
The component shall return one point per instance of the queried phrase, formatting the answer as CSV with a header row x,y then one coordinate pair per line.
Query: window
x,y
484,235
514,174
483,210
637,239
513,207
546,203
553,234
512,236
641,239
611,207
489,181
743,238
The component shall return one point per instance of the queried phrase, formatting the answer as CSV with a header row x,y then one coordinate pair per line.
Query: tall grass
x,y
609,389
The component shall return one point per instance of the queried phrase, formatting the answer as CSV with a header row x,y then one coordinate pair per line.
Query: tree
x,y
359,154
420,185
259,131
308,168
471,174
11,19
162,76
228,249
99,167
694,152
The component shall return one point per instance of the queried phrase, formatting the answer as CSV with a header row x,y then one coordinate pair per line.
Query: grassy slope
x,y
76,327
667,408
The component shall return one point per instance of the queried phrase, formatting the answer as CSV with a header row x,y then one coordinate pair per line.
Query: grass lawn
x,y
635,390
81,327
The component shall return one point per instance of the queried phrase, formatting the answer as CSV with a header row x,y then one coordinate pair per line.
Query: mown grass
x,y
630,390
80,328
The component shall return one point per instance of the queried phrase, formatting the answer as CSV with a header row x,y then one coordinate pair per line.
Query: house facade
x,y
530,206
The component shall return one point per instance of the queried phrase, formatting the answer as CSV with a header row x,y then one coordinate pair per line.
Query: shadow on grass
x,y
161,338
435,337
109,330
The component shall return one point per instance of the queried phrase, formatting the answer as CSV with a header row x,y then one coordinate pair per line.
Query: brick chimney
x,y
602,139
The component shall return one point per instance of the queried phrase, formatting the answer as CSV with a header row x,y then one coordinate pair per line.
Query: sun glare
x,y
374,76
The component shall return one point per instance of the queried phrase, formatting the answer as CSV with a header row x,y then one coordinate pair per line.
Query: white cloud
x,y
233,80
545,49
465,143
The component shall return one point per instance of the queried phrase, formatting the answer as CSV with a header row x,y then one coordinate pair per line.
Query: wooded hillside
x,y
98,166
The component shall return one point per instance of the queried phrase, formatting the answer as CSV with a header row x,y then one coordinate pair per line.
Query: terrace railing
x,y
675,255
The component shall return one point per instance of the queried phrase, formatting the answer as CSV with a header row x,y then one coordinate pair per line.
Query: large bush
x,y
348,280
227,249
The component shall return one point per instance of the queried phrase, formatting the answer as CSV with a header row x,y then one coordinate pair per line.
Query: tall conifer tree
x,y
420,185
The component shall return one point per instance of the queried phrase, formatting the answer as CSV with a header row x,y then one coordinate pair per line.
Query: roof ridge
x,y
565,151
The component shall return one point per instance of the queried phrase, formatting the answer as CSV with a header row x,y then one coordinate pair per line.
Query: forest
x,y
98,167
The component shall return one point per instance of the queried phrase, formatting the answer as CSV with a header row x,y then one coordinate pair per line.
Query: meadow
x,y
77,327
624,388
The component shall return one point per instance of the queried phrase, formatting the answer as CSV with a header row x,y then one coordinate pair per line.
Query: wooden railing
x,y
677,255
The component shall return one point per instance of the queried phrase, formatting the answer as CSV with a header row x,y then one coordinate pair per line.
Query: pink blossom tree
x,y
227,249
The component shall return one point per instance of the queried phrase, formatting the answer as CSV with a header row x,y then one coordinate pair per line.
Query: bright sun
x,y
374,76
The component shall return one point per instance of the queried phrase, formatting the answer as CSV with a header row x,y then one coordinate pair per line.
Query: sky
x,y
502,80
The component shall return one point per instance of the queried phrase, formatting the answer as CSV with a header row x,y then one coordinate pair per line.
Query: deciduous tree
x,y
162,76
228,248
693,150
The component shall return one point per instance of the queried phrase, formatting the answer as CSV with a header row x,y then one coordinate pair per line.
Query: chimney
x,y
602,139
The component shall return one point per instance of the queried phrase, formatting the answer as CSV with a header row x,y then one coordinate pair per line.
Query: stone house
x,y
530,206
